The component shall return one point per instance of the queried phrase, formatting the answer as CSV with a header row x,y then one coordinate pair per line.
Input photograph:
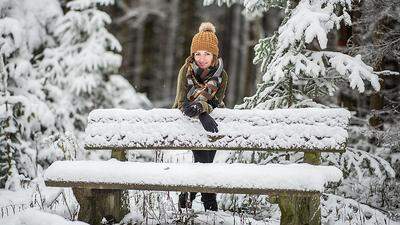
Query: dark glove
x,y
208,122
193,109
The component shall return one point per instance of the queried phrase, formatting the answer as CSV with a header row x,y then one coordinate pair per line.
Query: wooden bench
x,y
99,185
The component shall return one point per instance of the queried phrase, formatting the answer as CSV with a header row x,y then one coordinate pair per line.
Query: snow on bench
x,y
216,177
99,185
307,129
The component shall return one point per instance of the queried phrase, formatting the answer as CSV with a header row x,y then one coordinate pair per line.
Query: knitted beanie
x,y
205,40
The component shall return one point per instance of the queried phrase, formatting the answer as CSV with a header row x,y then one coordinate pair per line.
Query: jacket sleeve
x,y
181,89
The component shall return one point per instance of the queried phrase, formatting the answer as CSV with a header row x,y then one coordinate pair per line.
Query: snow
x,y
10,27
252,8
309,20
352,67
286,56
312,63
310,116
18,198
345,211
84,4
87,50
36,217
123,94
26,22
301,177
164,128
198,217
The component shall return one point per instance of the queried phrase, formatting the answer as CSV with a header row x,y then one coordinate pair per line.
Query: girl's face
x,y
203,59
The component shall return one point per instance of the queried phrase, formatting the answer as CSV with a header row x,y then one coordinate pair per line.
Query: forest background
x,y
62,59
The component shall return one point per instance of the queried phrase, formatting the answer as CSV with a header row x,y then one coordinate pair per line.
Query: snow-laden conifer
x,y
24,114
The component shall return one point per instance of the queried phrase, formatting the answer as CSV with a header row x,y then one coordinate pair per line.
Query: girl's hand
x,y
208,122
193,109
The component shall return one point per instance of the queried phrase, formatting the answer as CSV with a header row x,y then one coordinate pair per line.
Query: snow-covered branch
x,y
312,19
84,4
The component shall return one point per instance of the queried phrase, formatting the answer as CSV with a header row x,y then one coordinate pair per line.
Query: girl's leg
x,y
202,157
211,155
209,199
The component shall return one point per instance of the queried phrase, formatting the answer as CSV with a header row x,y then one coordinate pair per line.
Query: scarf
x,y
203,84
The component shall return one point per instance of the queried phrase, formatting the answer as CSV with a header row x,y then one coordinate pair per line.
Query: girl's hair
x,y
213,62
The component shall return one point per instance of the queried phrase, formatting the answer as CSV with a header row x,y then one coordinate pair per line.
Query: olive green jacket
x,y
182,90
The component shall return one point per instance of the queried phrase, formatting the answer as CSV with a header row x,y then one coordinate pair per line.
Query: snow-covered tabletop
x,y
281,129
216,177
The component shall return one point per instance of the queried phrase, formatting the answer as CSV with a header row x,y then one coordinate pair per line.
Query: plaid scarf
x,y
203,83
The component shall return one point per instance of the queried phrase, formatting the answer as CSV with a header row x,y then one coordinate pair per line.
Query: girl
x,y
201,87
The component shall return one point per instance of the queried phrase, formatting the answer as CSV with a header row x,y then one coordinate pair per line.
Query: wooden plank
x,y
331,117
181,188
174,135
152,147
115,174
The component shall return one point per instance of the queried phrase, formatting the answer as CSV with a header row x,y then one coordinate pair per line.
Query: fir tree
x,y
55,69
23,111
84,58
294,74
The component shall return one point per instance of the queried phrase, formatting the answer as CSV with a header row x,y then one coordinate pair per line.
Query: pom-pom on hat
x,y
205,40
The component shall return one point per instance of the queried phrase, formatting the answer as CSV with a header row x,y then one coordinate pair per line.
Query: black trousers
x,y
208,199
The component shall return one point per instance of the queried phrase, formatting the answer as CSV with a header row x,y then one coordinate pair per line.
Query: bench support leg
x,y
87,209
301,210
118,154
96,204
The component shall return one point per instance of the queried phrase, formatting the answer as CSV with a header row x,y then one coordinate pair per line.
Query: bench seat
x,y
303,130
196,177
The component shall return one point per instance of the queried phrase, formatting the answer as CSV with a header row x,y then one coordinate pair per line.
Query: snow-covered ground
x,y
37,217
169,213
165,212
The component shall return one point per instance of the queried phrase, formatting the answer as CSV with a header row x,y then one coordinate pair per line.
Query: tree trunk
x,y
356,29
253,73
170,52
138,56
233,66
244,61
376,99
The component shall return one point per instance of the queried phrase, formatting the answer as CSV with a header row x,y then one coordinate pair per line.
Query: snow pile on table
x,y
247,129
298,177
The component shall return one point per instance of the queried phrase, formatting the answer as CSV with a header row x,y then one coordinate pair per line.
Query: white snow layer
x,y
300,177
308,128
37,217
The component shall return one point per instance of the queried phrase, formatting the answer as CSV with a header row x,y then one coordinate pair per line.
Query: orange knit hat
x,y
205,40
